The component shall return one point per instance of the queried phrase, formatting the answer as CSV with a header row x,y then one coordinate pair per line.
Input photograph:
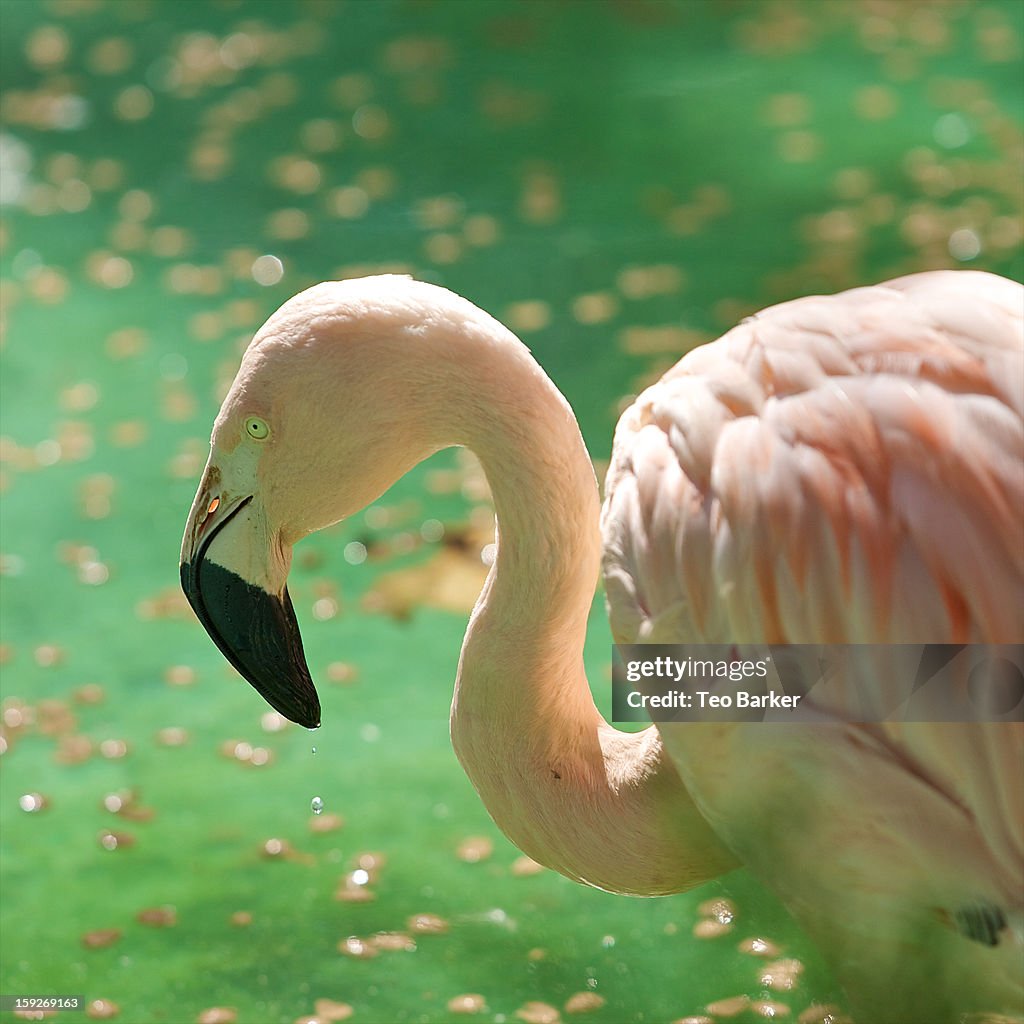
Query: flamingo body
x,y
847,469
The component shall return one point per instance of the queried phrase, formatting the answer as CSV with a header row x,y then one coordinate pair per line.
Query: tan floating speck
x,y
113,749
711,928
782,975
158,917
427,924
101,938
326,822
758,946
770,1009
475,849
275,848
357,948
536,1012
524,866
393,942
73,750
818,1013
468,1002
733,1006
720,908
584,1002
342,672
217,1015
180,675
370,861
330,1010
102,1009
172,736
111,840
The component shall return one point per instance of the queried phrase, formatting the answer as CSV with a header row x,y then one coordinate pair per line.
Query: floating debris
x,y
468,1002
217,1015
759,947
48,655
353,888
768,1008
326,823
273,721
172,736
102,1009
180,675
32,803
342,672
782,975
241,918
90,693
584,1002
710,928
538,1013
357,948
731,1007
113,749
316,805
260,756
450,580
594,308
328,1010
427,924
17,714
694,1020
125,803
54,717
115,840
475,849
393,942
371,862
273,849
101,938
73,750
817,1013
523,867
719,909
158,917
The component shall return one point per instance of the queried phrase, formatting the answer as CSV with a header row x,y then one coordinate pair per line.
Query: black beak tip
x,y
258,633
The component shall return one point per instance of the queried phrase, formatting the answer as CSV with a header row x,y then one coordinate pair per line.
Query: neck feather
x,y
601,806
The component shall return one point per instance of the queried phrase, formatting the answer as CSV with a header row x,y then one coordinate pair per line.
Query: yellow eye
x,y
257,428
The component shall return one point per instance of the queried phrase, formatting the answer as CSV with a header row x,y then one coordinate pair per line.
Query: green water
x,y
539,158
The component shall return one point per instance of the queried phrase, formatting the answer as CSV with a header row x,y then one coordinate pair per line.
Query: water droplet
x,y
314,750
316,804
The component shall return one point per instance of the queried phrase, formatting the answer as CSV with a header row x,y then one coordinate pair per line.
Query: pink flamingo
x,y
835,469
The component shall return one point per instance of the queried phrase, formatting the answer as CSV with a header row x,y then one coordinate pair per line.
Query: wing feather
x,y
867,447
847,469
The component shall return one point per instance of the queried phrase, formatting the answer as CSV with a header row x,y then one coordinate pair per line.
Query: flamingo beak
x,y
226,572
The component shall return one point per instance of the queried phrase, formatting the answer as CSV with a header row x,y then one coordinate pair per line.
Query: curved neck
x,y
600,806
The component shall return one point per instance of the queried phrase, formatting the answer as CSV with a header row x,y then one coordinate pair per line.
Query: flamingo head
x,y
320,420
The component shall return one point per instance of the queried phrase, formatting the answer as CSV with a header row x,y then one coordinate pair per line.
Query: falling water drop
x,y
317,805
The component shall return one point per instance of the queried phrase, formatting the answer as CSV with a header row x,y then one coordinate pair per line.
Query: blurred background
x,y
617,181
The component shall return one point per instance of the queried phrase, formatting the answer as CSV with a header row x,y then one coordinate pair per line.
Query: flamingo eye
x,y
257,428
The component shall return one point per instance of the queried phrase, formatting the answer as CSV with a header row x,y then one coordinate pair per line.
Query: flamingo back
x,y
848,469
